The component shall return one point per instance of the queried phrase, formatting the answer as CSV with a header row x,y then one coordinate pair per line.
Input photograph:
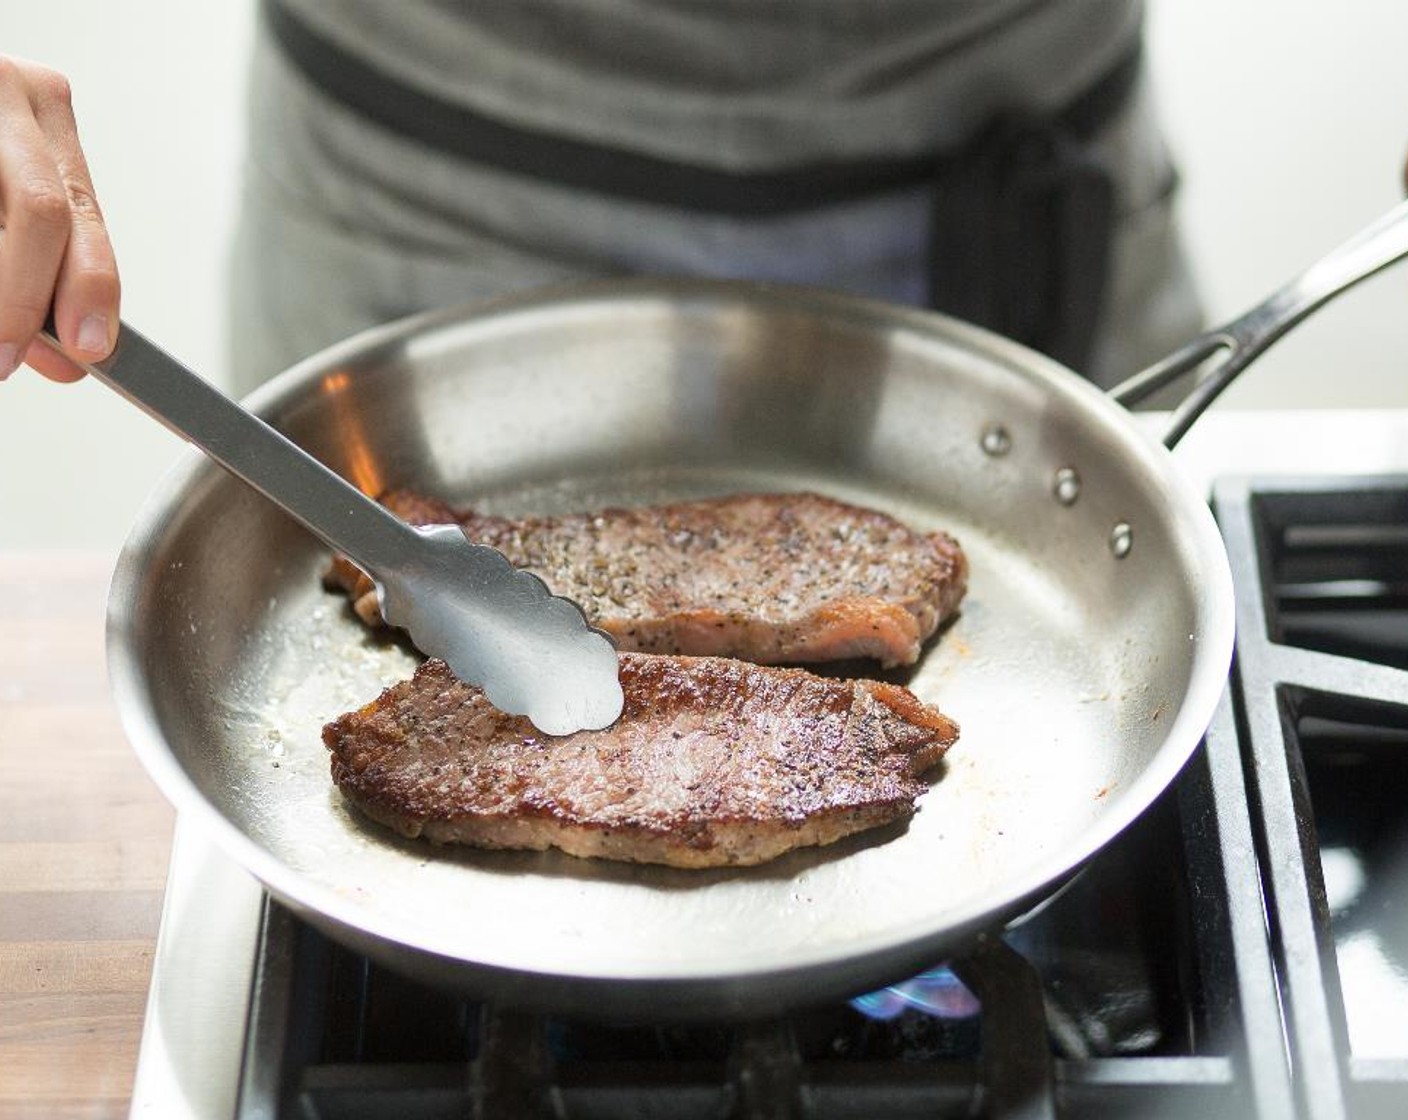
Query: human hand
x,y
54,247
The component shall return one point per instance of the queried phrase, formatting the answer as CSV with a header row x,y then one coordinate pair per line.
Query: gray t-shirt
x,y
742,85
346,223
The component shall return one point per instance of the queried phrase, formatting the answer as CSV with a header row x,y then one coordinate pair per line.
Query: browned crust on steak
x,y
713,762
769,578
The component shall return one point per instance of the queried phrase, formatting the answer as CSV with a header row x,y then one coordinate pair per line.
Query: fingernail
x,y
9,359
93,334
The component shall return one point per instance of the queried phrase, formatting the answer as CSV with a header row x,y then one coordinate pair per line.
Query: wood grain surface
x,y
84,843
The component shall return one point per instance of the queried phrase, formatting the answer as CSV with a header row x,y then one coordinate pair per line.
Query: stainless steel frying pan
x,y
1092,647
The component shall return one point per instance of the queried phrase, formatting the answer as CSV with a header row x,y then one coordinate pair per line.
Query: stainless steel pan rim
x,y
792,973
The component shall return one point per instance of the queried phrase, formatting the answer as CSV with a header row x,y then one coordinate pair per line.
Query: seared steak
x,y
770,578
714,762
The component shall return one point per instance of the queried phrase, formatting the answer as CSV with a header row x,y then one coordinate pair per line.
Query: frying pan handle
x,y
1229,349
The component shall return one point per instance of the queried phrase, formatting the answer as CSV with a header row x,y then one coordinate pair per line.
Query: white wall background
x,y
158,88
1290,118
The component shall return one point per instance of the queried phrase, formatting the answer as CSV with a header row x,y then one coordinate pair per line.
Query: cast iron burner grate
x,y
1321,568
1171,979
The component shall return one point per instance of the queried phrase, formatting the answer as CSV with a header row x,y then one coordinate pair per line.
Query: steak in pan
x,y
769,578
714,762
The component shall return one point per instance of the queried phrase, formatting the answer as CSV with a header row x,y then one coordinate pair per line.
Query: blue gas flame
x,y
936,992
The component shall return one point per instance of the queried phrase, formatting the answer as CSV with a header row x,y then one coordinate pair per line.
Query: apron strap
x,y
1021,238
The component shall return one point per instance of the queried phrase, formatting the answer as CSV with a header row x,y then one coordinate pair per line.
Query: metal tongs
x,y
500,628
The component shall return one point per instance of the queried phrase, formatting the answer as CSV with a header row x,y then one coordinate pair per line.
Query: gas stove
x,y
1243,949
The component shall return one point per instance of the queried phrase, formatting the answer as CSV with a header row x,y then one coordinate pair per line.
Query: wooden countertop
x,y
84,843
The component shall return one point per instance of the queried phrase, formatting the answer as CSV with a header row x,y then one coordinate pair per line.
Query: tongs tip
x,y
500,628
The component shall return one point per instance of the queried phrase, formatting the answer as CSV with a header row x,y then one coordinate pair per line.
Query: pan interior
x,y
1070,669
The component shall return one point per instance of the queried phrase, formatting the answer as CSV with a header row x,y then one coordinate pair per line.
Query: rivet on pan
x,y
996,440
1121,540
1067,486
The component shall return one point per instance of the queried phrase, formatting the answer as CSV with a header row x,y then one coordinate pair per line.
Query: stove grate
x,y
1320,565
